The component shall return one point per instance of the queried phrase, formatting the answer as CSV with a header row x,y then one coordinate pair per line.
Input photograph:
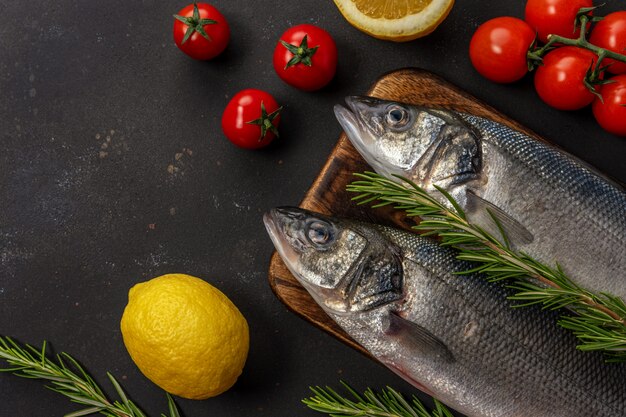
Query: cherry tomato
x,y
305,57
498,49
610,33
251,119
554,17
201,31
560,80
610,113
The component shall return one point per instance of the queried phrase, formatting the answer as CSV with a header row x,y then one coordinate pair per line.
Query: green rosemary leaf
x,y
441,410
118,389
134,410
171,405
84,412
451,200
83,400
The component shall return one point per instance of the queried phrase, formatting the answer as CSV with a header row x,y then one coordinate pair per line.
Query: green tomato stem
x,y
580,42
584,43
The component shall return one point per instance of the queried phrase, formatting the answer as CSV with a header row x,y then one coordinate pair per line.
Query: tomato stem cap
x,y
301,53
195,24
266,121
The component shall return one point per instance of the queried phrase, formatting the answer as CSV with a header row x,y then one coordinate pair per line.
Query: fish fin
x,y
417,337
488,213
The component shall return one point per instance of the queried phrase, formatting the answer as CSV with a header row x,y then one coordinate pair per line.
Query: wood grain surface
x,y
328,193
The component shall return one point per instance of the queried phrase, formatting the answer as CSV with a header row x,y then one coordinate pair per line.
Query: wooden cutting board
x,y
328,193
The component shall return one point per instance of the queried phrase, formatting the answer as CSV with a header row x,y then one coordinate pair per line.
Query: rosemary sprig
x,y
388,403
67,377
600,319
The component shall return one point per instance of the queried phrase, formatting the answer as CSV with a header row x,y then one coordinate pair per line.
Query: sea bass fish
x,y
454,336
551,205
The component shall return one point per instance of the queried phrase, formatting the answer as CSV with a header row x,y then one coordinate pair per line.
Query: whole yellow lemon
x,y
185,335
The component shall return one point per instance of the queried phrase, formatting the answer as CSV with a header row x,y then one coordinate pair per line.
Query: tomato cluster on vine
x,y
570,49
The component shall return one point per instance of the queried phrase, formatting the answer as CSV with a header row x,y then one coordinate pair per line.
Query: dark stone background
x,y
79,227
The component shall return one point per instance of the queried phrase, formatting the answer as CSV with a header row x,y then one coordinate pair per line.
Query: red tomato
x,y
498,49
201,31
306,57
554,17
610,33
251,119
560,80
611,114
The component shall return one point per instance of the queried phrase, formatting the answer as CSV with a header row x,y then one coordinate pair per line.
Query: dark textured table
x,y
114,170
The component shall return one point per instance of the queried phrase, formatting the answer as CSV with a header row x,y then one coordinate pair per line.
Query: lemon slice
x,y
395,20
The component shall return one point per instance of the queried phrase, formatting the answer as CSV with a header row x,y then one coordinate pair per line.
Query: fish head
x,y
428,146
345,266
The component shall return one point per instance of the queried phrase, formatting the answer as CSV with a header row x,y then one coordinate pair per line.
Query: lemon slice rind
x,y
404,29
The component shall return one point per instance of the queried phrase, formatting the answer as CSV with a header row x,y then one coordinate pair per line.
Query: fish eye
x,y
319,233
397,116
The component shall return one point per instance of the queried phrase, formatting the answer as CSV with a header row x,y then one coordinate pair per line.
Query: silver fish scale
x,y
567,174
517,359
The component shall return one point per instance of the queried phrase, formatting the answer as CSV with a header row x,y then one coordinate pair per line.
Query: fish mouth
x,y
361,135
350,119
274,221
347,118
